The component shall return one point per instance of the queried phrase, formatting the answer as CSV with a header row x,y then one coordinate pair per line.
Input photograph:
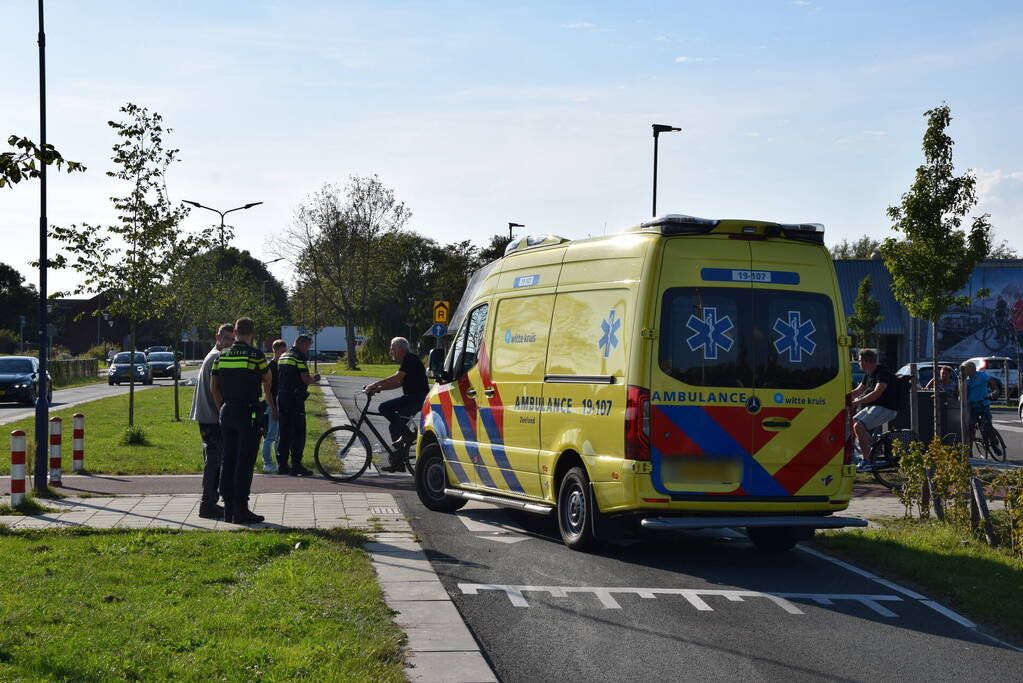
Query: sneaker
x,y
246,516
283,469
398,467
301,471
864,466
211,511
269,469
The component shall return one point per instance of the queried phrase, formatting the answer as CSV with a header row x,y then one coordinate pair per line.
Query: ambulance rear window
x,y
748,338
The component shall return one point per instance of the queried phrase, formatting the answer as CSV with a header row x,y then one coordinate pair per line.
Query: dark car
x,y
19,380
164,364
154,349
925,371
122,368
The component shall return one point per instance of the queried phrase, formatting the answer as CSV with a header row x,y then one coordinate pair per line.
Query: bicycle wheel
x,y
886,463
980,444
342,453
995,444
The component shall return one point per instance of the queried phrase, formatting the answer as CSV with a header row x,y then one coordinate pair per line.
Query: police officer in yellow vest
x,y
237,376
292,391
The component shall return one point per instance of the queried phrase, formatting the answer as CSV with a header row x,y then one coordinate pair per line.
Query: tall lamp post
x,y
222,214
42,405
513,225
658,129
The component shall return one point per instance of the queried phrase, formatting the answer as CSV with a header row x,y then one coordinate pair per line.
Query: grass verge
x,y
162,605
982,582
365,370
174,447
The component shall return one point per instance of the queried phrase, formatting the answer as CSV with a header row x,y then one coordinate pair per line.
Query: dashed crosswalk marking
x,y
696,597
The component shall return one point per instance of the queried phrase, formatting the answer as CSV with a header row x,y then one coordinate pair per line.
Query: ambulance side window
x,y
467,345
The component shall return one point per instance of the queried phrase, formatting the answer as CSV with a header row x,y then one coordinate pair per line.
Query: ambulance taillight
x,y
637,424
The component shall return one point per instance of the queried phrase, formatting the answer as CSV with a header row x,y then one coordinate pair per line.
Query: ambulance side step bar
x,y
805,521
501,500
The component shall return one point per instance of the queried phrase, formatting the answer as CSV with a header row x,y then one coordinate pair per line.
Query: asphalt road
x,y
1008,424
66,398
701,606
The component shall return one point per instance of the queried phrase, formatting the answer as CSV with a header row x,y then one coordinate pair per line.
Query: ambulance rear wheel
x,y
773,539
574,507
431,480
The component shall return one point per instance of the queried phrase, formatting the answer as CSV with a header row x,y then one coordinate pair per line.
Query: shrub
x,y
8,341
99,351
134,436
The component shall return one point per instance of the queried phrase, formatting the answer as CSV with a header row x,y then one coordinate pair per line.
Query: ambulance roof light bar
x,y
680,224
807,232
530,241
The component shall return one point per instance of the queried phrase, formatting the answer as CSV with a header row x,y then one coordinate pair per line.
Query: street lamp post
x,y
513,225
222,214
42,405
658,129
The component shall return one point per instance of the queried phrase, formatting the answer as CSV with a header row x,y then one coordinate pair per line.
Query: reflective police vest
x,y
291,366
239,371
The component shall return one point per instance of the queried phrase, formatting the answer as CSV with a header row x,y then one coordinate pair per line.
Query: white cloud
x,y
688,60
802,3
988,182
874,133
580,24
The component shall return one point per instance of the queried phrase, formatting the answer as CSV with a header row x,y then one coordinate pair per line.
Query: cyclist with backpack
x,y
877,399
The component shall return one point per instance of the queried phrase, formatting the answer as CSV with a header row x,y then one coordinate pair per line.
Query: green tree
x,y
1001,250
866,314
936,256
863,248
335,244
131,260
27,160
17,299
494,249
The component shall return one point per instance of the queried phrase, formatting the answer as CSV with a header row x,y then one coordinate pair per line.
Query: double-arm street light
x,y
222,214
658,129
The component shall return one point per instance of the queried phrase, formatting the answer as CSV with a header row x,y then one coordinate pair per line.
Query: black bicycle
x,y
885,459
988,443
344,453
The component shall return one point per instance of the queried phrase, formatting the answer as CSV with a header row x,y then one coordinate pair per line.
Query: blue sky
x,y
535,112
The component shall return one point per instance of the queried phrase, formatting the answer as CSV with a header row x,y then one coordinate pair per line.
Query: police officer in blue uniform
x,y
237,376
292,391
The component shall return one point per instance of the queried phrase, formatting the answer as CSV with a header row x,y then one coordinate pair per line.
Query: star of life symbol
x,y
795,337
710,333
610,328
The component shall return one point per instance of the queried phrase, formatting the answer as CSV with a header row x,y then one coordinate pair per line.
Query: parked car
x,y
925,371
122,368
164,364
995,366
19,380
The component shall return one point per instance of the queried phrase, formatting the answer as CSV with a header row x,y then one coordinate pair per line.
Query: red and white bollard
x,y
17,468
55,469
78,443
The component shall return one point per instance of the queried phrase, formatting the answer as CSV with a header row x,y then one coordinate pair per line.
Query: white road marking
x,y
694,596
1003,427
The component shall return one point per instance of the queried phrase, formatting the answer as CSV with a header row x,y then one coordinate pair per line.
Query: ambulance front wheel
x,y
431,480
574,508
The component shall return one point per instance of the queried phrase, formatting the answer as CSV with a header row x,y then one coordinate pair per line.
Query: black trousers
x,y
399,410
291,439
212,459
241,435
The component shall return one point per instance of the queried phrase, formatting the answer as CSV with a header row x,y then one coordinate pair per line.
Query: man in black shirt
x,y
877,400
237,375
411,377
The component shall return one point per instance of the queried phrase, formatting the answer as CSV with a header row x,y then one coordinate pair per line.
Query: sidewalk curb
x,y
440,645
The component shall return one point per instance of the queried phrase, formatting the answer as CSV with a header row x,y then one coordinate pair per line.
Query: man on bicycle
x,y
411,377
978,385
877,399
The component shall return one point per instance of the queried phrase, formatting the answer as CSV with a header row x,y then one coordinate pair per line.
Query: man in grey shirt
x,y
204,411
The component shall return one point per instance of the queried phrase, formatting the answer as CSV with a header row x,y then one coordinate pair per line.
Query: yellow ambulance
x,y
688,373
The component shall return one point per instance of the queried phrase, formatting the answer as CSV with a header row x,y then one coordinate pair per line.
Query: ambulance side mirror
x,y
437,364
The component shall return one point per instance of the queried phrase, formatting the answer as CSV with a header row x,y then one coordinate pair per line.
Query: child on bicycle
x,y
978,386
877,399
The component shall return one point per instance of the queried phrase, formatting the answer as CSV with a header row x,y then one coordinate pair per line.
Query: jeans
x,y
240,435
399,410
291,440
270,440
212,459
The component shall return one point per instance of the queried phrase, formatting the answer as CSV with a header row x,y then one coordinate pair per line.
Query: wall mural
x,y
990,326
